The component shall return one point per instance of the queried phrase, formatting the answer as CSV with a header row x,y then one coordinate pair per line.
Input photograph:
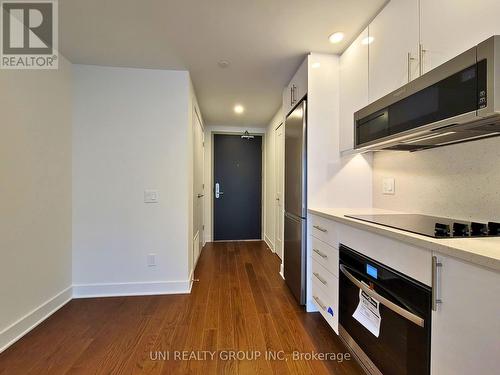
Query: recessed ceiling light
x,y
238,108
223,64
336,37
316,65
368,40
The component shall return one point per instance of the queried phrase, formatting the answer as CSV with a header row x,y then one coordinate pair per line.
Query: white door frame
x,y
279,186
198,233
237,131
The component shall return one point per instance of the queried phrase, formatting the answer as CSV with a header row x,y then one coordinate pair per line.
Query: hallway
x,y
240,303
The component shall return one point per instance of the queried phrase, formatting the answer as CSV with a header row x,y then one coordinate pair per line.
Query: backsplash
x,y
460,181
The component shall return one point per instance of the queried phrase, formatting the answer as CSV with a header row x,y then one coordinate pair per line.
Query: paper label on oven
x,y
368,313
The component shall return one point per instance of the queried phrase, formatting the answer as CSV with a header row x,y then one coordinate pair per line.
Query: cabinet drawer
x,y
325,255
328,282
327,305
325,230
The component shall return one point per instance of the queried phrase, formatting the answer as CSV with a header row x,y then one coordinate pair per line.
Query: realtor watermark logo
x,y
29,34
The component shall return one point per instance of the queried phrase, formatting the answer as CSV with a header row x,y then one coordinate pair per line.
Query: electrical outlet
x,y
151,196
388,186
151,260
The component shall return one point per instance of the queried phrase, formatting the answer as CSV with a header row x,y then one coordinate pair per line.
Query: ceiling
x,y
264,41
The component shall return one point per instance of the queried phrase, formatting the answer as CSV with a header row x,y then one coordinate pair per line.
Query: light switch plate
x,y
151,260
388,186
151,196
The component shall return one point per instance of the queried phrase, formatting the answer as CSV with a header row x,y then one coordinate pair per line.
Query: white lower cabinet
x,y
324,278
465,333
325,255
326,300
323,269
324,229
465,336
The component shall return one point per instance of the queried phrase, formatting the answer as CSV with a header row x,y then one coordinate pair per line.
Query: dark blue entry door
x,y
237,188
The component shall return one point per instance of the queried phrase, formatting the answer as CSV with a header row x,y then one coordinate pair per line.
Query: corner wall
x,y
35,199
334,181
131,132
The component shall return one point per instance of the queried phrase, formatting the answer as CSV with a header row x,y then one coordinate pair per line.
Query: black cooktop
x,y
431,226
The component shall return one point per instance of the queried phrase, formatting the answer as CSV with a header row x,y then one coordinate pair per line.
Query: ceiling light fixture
x,y
368,40
336,37
238,108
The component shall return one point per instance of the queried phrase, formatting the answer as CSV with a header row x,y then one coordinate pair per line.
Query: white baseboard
x,y
311,307
282,273
21,327
191,279
25,324
131,289
269,243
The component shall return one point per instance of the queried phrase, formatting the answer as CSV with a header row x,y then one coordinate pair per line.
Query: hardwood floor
x,y
240,304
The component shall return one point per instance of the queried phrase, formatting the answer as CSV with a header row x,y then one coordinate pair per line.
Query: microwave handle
x,y
384,301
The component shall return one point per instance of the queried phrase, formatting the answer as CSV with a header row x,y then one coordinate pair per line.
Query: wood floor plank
x,y
240,304
140,359
256,291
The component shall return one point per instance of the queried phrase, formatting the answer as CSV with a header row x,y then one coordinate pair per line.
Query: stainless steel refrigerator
x,y
295,202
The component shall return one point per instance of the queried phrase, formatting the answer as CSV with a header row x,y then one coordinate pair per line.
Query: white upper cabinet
x,y
394,37
450,27
296,89
353,87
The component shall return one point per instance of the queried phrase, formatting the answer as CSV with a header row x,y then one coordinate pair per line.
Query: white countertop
x,y
481,251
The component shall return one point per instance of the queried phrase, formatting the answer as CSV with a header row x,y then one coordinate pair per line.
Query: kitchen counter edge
x,y
479,251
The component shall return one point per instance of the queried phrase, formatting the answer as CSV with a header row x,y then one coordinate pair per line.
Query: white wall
x,y
208,169
333,181
459,181
130,132
35,196
271,180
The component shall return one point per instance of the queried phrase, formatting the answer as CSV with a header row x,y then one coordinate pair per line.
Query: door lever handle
x,y
201,195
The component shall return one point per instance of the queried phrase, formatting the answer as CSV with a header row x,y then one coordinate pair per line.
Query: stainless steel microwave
x,y
458,101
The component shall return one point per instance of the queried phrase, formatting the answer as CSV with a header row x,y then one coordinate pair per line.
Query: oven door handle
x,y
384,301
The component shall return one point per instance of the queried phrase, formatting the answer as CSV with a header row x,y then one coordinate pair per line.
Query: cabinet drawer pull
x,y
323,281
321,229
324,256
321,304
